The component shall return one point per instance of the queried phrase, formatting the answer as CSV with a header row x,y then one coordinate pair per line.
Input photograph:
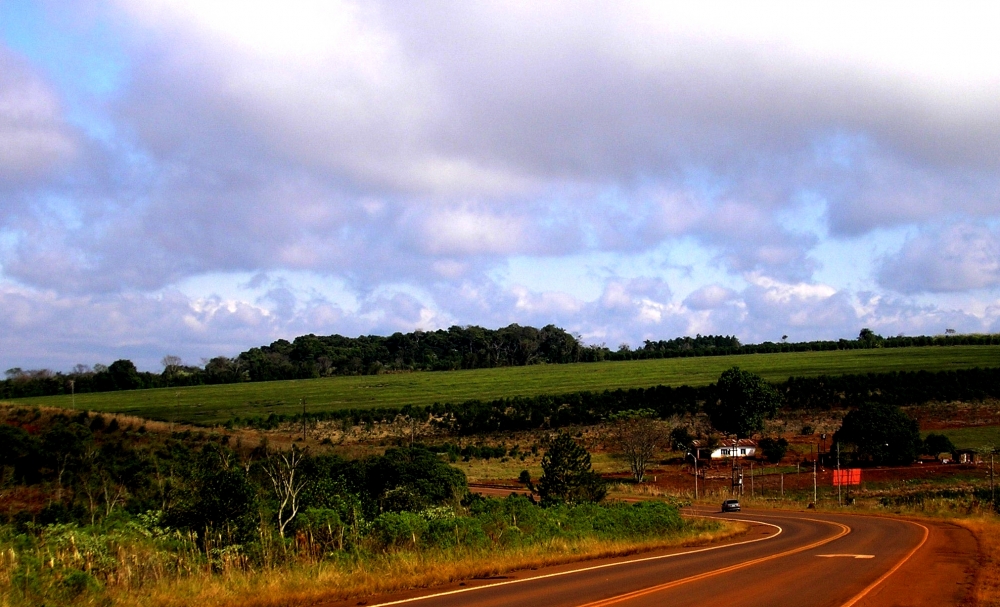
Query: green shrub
x,y
398,529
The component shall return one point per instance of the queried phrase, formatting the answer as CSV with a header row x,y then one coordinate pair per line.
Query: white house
x,y
727,448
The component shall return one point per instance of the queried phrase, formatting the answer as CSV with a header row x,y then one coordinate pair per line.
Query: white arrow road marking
x,y
847,556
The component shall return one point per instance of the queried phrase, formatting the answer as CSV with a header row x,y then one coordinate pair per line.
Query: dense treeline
x,y
198,481
556,411
717,345
312,356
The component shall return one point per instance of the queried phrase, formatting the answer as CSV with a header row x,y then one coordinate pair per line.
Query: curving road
x,y
788,559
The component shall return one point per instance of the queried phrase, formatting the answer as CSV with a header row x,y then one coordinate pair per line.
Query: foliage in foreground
x,y
73,564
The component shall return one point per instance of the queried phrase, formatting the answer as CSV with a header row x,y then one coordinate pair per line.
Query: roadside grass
x,y
987,532
217,403
307,582
970,438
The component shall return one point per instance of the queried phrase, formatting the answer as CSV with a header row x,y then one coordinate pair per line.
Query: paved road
x,y
788,559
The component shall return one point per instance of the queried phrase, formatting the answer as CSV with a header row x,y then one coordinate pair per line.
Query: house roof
x,y
727,443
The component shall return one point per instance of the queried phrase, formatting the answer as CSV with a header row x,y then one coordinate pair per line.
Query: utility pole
x,y
782,485
695,459
72,391
751,480
840,478
814,482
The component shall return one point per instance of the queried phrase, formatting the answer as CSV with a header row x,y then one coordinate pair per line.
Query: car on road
x,y
731,506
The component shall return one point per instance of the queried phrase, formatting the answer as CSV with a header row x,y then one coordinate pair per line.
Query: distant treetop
x,y
468,347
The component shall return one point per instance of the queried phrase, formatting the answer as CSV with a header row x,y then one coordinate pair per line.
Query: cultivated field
x,y
215,404
971,438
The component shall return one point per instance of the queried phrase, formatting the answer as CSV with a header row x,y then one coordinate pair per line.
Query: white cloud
x,y
34,139
781,292
957,257
408,151
709,297
465,230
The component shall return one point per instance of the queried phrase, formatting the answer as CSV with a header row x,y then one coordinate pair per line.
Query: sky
x,y
197,177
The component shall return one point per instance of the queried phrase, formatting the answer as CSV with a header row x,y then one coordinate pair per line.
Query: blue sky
x,y
195,178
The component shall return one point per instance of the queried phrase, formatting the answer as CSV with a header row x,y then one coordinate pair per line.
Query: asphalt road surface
x,y
788,559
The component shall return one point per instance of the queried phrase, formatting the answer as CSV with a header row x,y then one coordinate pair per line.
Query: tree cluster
x,y
93,469
470,347
718,345
879,434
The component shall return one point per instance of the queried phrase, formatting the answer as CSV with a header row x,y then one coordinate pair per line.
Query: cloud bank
x,y
630,173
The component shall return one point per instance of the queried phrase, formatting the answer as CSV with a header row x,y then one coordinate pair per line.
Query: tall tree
x,y
743,400
567,475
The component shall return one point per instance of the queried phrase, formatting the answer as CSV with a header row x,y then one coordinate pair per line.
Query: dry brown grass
x,y
330,580
987,532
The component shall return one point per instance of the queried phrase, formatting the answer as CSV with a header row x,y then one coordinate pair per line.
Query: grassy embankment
x,y
133,564
216,404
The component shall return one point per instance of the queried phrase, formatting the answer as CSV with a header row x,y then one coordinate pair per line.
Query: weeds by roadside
x,y
140,563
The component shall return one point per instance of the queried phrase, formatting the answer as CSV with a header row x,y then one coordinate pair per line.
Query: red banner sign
x,y
848,476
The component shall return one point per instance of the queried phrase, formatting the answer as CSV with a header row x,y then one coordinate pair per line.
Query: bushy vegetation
x,y
70,563
937,443
880,434
91,507
773,449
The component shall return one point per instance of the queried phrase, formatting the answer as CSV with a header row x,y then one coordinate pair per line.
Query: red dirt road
x,y
789,559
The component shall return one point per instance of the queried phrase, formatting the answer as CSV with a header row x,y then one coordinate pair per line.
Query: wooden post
x,y
814,481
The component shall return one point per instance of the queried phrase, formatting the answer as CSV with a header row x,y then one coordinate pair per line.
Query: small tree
x,y
881,434
637,435
773,449
681,438
281,468
567,475
937,443
870,338
124,375
743,400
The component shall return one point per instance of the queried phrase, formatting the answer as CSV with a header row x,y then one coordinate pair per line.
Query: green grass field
x,y
971,438
214,404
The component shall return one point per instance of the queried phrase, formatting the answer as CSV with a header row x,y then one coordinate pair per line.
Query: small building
x,y
727,448
968,456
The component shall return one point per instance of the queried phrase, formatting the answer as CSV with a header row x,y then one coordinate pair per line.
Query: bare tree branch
x,y
280,468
